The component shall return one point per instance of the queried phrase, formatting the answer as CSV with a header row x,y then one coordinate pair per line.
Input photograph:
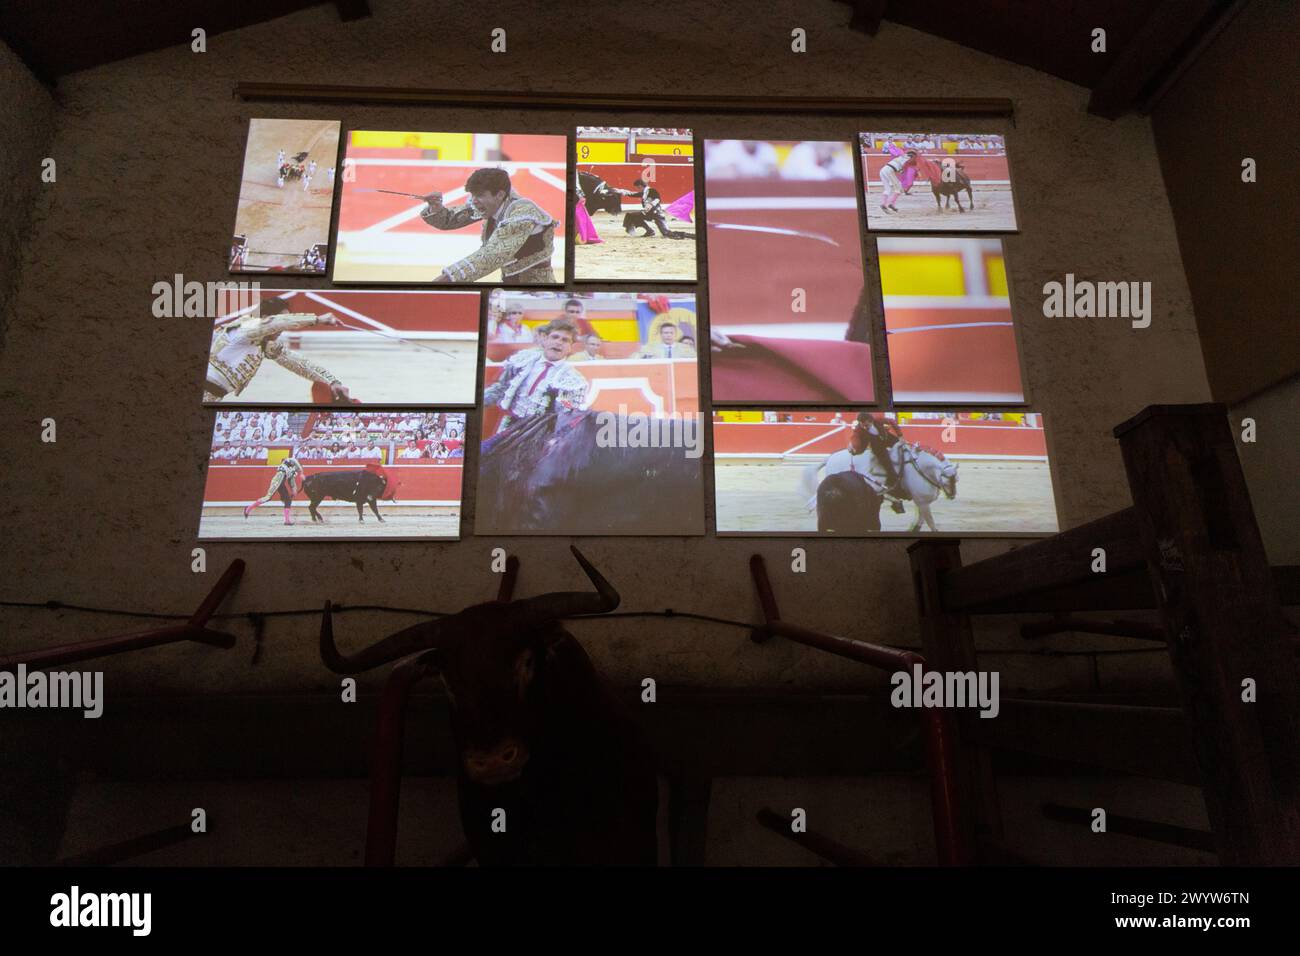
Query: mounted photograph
x,y
452,208
591,415
857,473
286,194
786,274
344,346
306,475
634,206
937,182
949,329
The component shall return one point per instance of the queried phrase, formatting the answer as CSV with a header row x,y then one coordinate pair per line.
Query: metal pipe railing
x,y
940,749
195,629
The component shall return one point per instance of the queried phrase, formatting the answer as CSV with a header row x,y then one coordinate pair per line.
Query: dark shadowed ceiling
x,y
1146,39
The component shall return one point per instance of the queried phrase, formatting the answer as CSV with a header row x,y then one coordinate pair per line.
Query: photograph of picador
x,y
498,475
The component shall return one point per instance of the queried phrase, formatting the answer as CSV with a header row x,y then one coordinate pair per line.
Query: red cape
x,y
793,370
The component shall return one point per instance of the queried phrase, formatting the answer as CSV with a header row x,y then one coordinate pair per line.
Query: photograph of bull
x,y
538,732
550,474
598,193
950,185
363,488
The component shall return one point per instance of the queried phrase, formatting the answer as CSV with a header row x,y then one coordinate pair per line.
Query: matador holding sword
x,y
518,235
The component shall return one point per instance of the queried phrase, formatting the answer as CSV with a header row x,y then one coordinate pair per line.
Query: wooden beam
x,y
1145,59
1068,624
1169,833
1144,741
350,10
1059,562
1123,591
1286,580
688,819
812,841
39,66
636,102
867,15
949,645
1223,625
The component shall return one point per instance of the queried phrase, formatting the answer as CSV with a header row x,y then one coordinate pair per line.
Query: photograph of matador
x,y
452,208
518,235
406,347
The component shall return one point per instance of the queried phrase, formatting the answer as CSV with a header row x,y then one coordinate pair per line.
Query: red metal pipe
x,y
195,629
386,761
506,589
758,570
225,584
950,841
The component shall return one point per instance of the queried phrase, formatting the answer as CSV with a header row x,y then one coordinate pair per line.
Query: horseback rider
x,y
881,435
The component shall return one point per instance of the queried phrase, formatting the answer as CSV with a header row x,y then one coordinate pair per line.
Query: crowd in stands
x,y
667,340
1028,419
935,141
638,130
380,436
251,427
759,159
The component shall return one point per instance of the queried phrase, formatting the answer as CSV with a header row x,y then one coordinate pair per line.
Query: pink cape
x,y
683,207
908,175
586,228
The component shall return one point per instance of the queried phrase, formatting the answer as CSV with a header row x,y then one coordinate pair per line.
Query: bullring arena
x,y
1004,484
636,257
990,177
281,222
401,522
619,156
423,462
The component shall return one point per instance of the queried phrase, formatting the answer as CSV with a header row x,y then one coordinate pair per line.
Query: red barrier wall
x,y
414,482
411,311
672,180
751,273
754,438
963,358
977,166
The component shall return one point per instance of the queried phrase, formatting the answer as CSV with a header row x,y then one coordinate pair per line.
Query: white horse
x,y
924,477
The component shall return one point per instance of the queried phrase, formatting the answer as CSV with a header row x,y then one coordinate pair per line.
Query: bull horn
x,y
419,637
559,604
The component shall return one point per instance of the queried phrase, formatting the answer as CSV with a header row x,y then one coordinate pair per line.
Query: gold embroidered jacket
x,y
510,240
239,349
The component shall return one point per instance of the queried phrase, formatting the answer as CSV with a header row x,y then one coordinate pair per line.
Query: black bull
x,y
362,487
551,768
953,190
847,504
551,472
599,196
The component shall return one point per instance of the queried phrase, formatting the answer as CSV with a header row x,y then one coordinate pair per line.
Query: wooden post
x,y
949,645
1223,625
688,818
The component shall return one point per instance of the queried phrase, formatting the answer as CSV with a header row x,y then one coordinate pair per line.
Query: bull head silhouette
x,y
503,665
